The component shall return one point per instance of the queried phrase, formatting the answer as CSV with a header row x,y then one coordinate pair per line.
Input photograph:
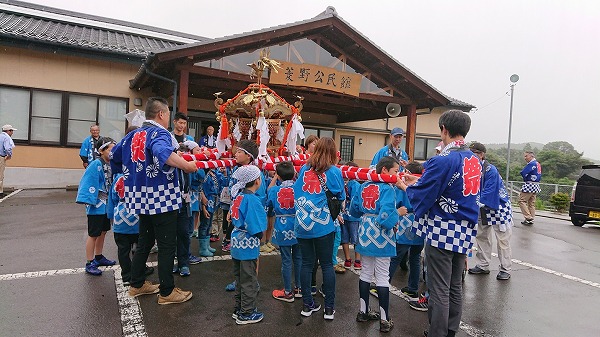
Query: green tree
x,y
560,160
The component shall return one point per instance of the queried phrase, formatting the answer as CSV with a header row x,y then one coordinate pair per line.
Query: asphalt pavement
x,y
554,289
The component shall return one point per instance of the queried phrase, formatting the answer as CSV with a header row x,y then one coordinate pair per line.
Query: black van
x,y
585,199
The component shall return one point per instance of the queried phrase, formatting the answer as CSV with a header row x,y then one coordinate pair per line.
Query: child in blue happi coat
x,y
209,200
376,205
249,220
280,203
93,192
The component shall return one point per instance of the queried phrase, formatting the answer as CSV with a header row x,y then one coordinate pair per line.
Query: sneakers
x,y
214,238
502,275
254,317
373,291
478,270
184,271
385,326
154,249
313,290
348,264
421,305
412,295
280,294
297,292
105,262
527,222
339,269
194,259
92,268
146,289
367,316
230,286
357,265
307,310
235,314
175,269
267,248
328,314
194,234
226,247
271,246
176,296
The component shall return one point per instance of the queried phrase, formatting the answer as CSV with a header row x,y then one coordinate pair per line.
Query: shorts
x,y
97,224
350,232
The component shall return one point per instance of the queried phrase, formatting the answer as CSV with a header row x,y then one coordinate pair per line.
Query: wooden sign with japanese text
x,y
314,76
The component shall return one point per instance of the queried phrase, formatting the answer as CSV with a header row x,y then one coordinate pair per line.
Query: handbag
x,y
333,202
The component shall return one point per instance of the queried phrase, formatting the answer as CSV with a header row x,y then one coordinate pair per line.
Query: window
x,y
347,148
14,110
60,118
317,132
425,147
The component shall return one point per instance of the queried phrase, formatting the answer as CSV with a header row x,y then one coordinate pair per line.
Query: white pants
x,y
376,269
2,168
484,247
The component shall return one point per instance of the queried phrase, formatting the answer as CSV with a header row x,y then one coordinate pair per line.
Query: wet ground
x,y
554,289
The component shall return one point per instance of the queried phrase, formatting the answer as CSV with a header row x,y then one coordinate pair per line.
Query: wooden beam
x,y
184,81
411,129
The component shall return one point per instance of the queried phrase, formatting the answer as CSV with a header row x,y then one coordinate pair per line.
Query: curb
x,y
550,215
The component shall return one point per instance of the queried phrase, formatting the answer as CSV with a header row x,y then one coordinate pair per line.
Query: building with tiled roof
x,y
64,71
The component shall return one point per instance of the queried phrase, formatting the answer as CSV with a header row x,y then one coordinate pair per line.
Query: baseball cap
x,y
397,131
477,147
8,127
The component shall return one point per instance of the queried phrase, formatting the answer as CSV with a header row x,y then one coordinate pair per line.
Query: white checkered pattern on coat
x,y
447,234
500,217
530,187
152,200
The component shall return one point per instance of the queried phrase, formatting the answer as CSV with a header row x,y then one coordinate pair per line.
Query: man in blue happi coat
x,y
444,201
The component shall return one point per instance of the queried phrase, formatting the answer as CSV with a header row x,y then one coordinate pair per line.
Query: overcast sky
x,y
467,49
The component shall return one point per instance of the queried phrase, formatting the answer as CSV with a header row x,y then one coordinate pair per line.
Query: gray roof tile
x,y
24,27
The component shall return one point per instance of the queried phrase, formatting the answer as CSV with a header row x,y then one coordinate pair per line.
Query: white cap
x,y
8,127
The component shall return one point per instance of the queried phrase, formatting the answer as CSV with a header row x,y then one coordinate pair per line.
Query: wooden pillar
x,y
184,81
411,129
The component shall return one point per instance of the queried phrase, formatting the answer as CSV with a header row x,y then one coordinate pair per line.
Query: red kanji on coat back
x,y
285,198
138,146
370,195
312,184
120,187
471,176
235,208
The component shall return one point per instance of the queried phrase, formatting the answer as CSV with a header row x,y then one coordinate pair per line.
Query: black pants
x,y
124,243
246,288
162,228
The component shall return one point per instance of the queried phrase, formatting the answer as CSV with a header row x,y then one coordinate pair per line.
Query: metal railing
x,y
543,198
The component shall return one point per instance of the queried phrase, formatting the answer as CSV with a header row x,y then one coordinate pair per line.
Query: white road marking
x,y
132,320
10,195
553,272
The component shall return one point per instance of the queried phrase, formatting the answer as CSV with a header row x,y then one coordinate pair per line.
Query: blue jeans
x,y
185,226
205,225
290,254
321,248
414,262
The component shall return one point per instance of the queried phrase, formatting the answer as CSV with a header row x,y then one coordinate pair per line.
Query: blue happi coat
x,y
280,202
151,186
494,198
313,219
123,221
94,187
87,149
248,218
445,201
261,193
532,175
196,180
352,189
405,235
211,188
376,205
387,151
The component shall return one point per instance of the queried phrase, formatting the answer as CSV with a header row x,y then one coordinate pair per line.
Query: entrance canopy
x,y
325,44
